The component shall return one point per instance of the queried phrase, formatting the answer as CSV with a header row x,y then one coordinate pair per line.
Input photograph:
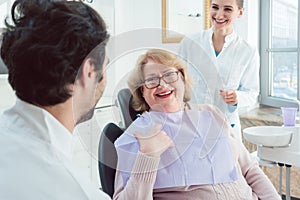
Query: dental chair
x,y
124,102
107,155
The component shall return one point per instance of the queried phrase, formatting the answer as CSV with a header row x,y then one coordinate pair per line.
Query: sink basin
x,y
269,136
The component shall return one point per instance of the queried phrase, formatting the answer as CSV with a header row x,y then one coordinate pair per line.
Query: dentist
x,y
55,52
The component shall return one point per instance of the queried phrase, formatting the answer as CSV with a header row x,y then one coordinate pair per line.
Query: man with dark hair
x,y
55,54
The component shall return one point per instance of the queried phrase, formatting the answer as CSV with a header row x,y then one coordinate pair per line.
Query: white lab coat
x,y
236,67
35,158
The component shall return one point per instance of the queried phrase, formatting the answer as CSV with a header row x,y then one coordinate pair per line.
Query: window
x,y
280,52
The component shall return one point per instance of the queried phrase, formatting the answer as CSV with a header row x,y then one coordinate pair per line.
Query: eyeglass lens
x,y
170,77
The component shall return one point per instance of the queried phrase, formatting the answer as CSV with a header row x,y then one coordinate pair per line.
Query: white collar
x,y
39,123
228,38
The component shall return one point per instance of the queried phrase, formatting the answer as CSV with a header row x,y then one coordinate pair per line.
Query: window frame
x,y
265,57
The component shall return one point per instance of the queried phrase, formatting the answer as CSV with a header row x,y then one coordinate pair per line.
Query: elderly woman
x,y
179,151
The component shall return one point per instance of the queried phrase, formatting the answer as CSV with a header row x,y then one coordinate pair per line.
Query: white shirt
x,y
35,158
236,67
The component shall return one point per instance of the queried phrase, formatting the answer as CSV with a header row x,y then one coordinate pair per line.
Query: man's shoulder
x,y
27,167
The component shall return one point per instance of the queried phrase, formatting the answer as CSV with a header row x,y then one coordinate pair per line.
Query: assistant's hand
x,y
155,142
229,96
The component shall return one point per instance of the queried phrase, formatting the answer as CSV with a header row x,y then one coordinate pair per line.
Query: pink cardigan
x,y
252,183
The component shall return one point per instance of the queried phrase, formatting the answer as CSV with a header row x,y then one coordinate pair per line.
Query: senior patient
x,y
179,151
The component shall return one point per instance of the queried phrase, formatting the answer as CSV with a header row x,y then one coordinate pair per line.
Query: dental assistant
x,y
222,63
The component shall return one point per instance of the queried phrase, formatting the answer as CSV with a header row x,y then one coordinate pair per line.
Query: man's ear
x,y
87,72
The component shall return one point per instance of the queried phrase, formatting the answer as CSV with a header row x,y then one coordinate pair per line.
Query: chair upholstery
x,y
107,157
3,68
128,114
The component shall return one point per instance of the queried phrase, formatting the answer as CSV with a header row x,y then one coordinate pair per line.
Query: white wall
x,y
106,8
248,25
7,95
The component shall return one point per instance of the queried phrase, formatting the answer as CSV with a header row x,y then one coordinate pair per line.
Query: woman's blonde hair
x,y
136,79
240,3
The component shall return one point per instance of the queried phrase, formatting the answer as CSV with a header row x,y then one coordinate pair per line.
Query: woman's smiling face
x,y
223,13
166,97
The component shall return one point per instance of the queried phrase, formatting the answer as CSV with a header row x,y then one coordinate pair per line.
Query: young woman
x,y
179,151
223,62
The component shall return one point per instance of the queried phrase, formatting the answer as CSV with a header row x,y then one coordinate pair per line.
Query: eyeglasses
x,y
154,82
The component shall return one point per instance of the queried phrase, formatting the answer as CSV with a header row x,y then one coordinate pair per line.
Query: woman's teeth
x,y
165,93
220,21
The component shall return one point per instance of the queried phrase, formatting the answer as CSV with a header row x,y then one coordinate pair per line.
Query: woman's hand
x,y
229,96
155,142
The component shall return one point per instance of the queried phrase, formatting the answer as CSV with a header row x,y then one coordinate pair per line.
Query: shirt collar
x,y
43,125
228,38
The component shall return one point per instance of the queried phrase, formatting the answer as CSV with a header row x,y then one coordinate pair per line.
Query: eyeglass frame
x,y
162,77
